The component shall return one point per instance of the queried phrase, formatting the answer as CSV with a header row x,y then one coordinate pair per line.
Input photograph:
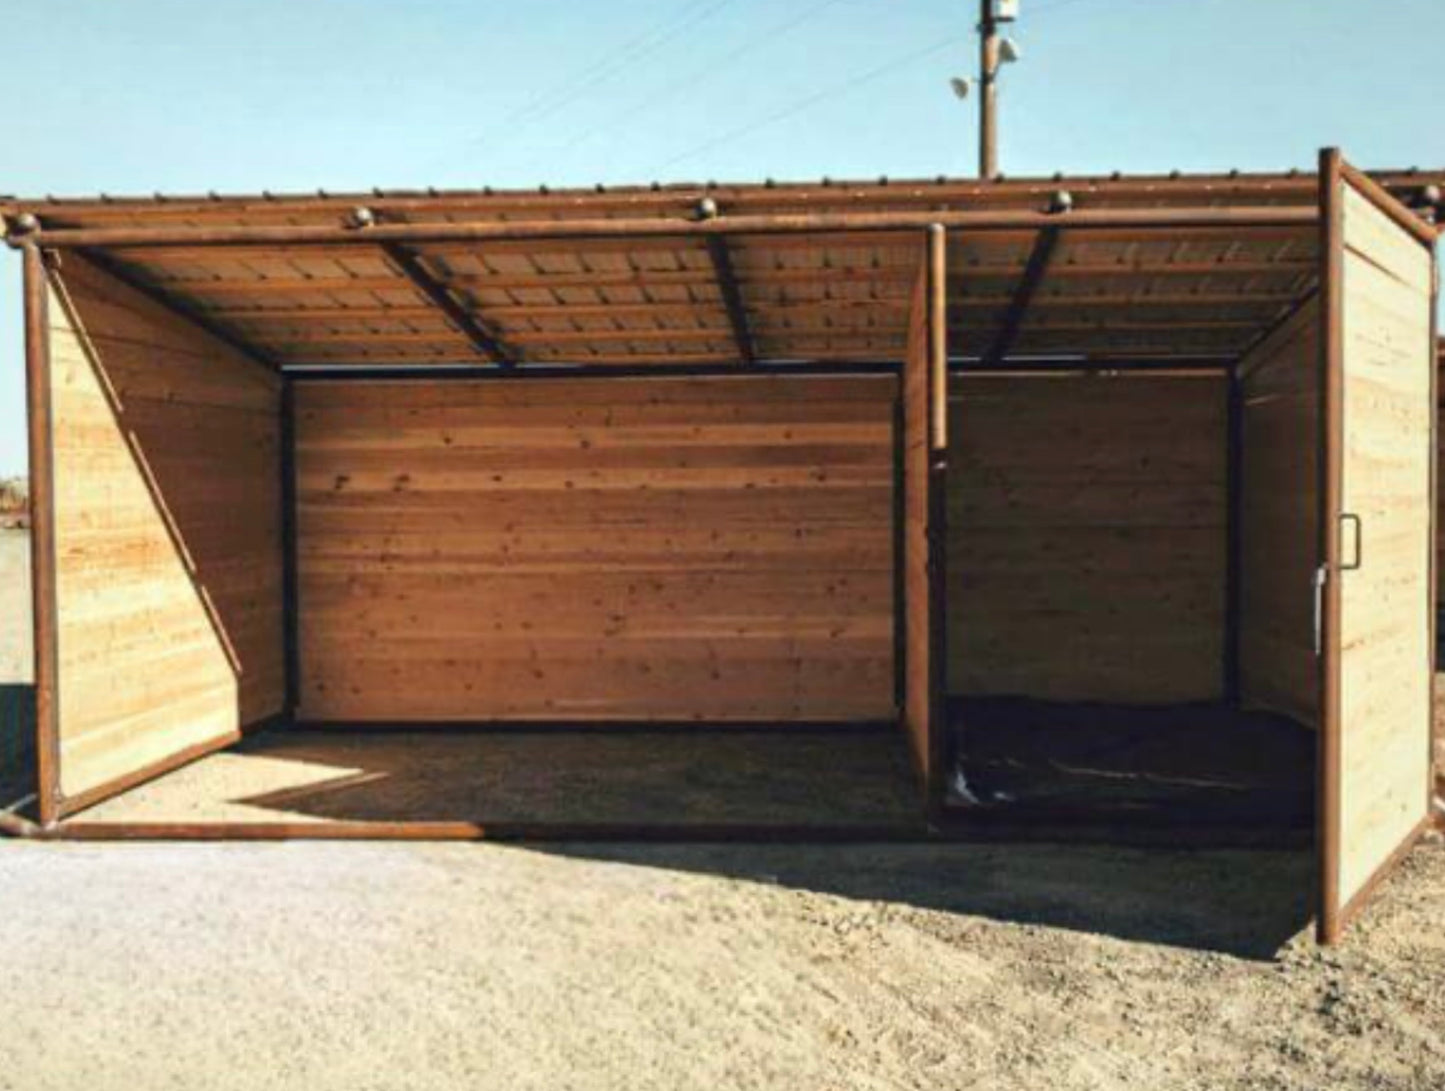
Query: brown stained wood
x,y
625,549
759,279
764,307
731,292
167,512
1086,536
1033,276
483,338
923,448
40,419
1281,443
257,236
1234,187
219,329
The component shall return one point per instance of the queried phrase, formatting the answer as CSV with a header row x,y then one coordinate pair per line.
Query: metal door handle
x,y
1359,536
1322,576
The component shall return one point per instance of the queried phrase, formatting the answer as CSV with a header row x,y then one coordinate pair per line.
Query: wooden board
x,y
1281,443
1087,536
924,451
1376,783
167,528
596,549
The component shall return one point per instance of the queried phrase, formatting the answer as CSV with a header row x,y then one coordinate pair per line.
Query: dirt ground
x,y
355,966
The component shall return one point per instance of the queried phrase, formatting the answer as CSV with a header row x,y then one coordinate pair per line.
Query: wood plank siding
x,y
1087,536
1386,657
597,549
167,526
1280,519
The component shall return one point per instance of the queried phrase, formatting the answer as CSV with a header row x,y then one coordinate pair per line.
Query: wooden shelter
x,y
840,510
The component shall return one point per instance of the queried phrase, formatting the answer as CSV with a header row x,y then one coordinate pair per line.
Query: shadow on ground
x,y
1239,902
855,789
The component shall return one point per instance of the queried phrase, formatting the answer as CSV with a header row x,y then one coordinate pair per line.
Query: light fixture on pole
x,y
995,51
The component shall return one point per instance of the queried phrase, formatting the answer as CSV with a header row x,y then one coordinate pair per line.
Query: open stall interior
x,y
776,511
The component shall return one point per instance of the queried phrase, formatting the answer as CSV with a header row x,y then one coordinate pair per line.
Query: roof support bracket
x,y
484,339
727,282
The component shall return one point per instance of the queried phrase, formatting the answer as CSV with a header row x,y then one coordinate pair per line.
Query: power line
x,y
802,104
543,101
667,95
809,101
625,61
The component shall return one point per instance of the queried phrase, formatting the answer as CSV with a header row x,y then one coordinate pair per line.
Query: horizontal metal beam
x,y
342,373
563,230
974,366
842,305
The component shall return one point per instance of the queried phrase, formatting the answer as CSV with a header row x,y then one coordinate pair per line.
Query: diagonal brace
x,y
1045,242
486,340
727,282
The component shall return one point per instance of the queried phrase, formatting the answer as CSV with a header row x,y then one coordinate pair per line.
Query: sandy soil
x,y
355,966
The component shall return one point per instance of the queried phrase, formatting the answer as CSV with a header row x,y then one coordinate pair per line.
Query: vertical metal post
x,y
289,594
1328,925
42,531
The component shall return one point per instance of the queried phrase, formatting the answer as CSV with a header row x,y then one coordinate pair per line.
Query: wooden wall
x,y
597,549
1087,537
167,526
1279,519
1385,658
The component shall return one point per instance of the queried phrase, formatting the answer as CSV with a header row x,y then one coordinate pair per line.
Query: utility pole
x,y
994,51
988,40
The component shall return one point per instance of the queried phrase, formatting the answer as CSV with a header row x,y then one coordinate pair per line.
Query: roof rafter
x,y
487,341
1045,243
727,282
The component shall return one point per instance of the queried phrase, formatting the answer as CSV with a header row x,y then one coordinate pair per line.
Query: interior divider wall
x,y
925,468
167,525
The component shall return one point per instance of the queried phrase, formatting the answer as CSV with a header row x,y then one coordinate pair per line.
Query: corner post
x,y
1329,926
40,435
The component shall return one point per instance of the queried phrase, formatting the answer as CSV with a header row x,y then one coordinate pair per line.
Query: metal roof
x,y
397,289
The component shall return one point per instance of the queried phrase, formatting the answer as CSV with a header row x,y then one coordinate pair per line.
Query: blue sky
x,y
244,95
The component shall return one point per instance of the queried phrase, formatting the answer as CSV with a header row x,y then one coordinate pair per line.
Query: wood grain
x,y
1279,519
1086,537
924,394
167,530
595,549
1385,673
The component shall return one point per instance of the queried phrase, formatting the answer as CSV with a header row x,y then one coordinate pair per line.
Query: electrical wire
x,y
625,61
808,101
668,95
548,101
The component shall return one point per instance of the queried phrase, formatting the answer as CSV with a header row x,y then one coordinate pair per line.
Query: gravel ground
x,y
402,966
399,966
